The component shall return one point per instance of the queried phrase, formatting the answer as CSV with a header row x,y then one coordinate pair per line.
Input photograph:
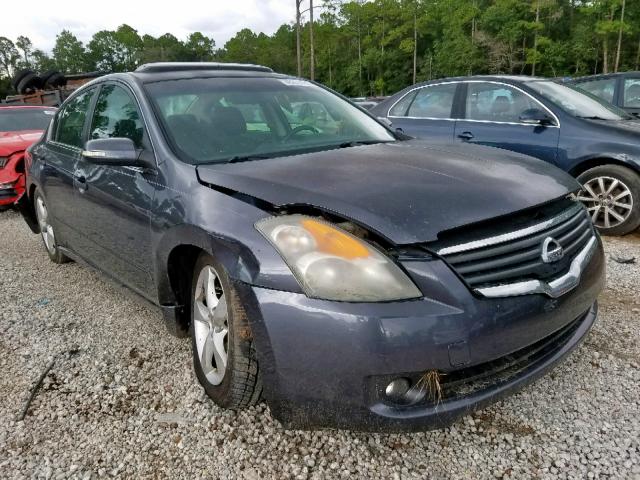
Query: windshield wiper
x,y
247,158
593,117
361,142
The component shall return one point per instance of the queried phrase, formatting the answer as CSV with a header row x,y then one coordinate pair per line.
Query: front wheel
x,y
224,356
46,230
611,194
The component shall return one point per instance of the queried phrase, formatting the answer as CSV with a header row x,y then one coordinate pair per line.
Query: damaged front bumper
x,y
328,364
12,182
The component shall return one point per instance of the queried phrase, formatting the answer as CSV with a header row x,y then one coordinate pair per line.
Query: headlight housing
x,y
332,264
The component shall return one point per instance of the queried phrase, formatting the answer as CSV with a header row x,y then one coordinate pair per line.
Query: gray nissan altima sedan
x,y
349,276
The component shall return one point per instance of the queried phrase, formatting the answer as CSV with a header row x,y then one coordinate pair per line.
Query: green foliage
x,y
199,48
367,47
69,53
9,56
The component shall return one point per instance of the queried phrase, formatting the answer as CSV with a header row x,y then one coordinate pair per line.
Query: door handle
x,y
466,136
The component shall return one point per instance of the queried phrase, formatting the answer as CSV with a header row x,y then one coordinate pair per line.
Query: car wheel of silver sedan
x,y
611,194
46,230
224,356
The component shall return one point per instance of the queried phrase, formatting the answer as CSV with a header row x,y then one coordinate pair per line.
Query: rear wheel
x,y
46,230
611,194
224,356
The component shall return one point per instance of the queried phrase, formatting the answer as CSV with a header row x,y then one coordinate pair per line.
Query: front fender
x,y
577,150
238,260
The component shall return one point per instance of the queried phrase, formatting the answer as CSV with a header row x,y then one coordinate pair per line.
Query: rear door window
x,y
631,93
401,107
71,119
433,102
603,88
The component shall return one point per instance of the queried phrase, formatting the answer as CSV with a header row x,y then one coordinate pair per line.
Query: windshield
x,y
14,120
216,120
577,102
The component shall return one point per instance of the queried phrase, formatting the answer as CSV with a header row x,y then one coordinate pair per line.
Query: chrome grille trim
x,y
507,237
554,288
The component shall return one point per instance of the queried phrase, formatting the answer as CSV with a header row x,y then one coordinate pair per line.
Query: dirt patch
x,y
612,298
488,421
617,346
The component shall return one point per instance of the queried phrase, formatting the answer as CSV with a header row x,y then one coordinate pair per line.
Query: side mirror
x,y
114,151
535,116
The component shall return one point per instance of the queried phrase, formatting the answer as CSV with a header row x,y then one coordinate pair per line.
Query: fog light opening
x,y
397,389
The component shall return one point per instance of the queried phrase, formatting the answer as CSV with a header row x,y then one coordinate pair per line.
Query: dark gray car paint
x,y
407,192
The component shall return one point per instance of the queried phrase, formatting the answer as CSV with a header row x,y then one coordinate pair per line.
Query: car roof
x,y
159,67
605,75
501,78
161,71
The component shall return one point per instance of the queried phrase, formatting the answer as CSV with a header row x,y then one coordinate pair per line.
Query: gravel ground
x,y
121,399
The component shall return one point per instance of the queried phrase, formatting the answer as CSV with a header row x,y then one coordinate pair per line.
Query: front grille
x,y
7,193
515,254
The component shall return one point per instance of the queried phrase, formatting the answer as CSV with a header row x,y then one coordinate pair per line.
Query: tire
x,y
19,76
46,230
611,194
53,79
29,84
239,384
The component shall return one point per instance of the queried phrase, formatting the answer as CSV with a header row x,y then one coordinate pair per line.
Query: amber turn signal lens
x,y
334,242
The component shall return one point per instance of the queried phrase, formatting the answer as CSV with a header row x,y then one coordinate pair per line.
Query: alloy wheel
x,y
211,325
608,200
46,229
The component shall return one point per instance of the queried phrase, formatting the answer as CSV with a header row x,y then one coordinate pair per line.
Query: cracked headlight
x,y
332,264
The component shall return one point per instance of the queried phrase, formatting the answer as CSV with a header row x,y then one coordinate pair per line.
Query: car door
x,y
114,202
59,154
426,112
492,117
630,94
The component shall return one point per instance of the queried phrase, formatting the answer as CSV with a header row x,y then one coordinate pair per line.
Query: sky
x,y
42,20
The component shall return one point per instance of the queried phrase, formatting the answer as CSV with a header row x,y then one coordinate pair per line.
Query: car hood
x,y
11,142
407,192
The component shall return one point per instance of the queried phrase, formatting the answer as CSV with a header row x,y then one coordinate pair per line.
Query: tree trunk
x,y
298,54
473,25
312,66
382,39
638,55
605,46
535,40
359,53
415,42
620,37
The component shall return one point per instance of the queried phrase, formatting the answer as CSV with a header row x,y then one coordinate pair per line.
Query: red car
x,y
19,127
